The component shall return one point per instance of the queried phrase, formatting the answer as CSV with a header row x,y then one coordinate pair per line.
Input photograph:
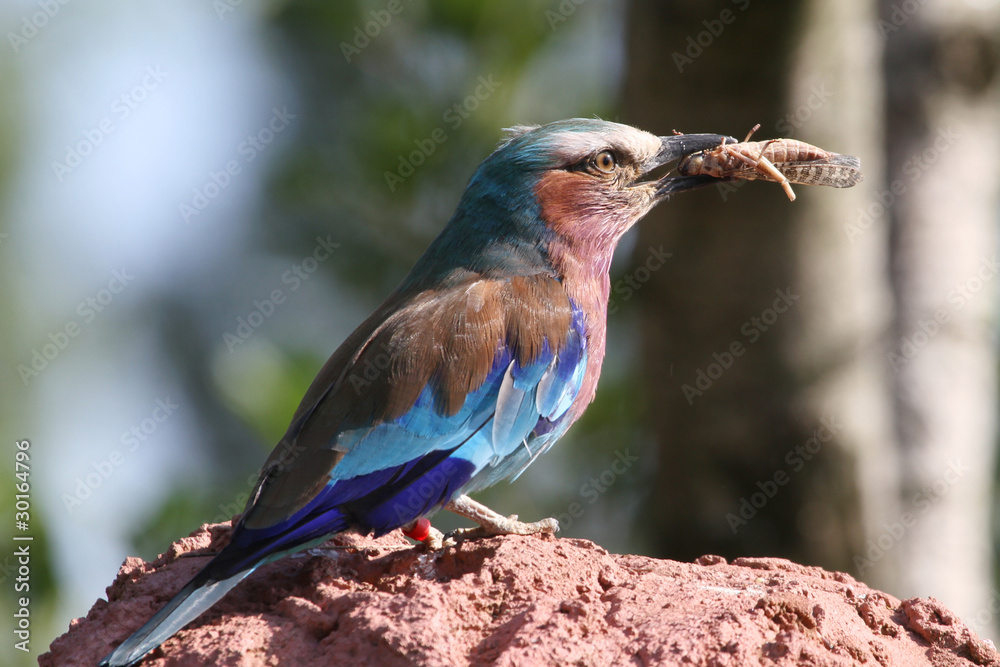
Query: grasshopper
x,y
783,161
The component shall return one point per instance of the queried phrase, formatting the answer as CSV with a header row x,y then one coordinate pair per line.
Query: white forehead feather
x,y
568,141
571,145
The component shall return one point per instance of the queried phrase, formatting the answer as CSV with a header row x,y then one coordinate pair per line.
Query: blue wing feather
x,y
399,470
422,430
394,471
558,387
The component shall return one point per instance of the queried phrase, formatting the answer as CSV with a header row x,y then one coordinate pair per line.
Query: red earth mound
x,y
519,601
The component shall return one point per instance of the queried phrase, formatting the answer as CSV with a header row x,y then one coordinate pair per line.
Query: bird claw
x,y
437,541
506,526
490,524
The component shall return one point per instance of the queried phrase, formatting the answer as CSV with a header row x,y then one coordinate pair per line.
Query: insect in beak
x,y
678,146
783,161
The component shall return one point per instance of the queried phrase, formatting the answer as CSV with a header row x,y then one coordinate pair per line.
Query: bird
x,y
476,364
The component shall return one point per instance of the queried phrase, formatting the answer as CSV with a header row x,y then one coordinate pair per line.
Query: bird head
x,y
578,183
592,180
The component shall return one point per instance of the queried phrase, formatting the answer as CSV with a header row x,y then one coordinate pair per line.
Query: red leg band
x,y
418,530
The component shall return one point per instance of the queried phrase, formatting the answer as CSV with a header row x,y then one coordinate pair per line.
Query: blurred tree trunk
x,y
838,347
941,193
761,332
855,429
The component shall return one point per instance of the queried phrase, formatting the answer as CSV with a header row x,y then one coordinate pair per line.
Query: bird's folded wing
x,y
438,392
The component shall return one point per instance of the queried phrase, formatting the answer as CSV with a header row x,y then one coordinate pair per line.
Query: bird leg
x,y
422,531
491,523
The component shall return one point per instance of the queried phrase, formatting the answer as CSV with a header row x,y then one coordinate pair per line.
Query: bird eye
x,y
605,161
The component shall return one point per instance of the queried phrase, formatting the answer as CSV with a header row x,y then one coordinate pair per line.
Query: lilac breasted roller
x,y
483,356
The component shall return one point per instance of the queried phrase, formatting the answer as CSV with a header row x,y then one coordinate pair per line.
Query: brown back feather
x,y
448,338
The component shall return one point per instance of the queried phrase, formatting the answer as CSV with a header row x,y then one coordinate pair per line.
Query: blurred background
x,y
200,200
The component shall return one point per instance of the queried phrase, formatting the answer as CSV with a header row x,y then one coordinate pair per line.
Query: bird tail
x,y
248,550
198,595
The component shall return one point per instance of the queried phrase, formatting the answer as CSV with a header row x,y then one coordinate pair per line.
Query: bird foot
x,y
437,541
509,526
492,523
430,537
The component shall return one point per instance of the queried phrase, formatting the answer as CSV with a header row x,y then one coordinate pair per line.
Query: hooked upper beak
x,y
677,146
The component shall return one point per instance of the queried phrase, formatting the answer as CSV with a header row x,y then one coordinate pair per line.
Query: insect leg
x,y
766,166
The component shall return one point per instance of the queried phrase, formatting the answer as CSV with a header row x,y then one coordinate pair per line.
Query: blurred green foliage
x,y
40,581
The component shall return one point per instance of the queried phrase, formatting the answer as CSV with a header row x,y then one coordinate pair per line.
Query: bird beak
x,y
677,146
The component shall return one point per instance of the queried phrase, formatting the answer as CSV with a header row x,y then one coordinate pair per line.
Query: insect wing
x,y
836,171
